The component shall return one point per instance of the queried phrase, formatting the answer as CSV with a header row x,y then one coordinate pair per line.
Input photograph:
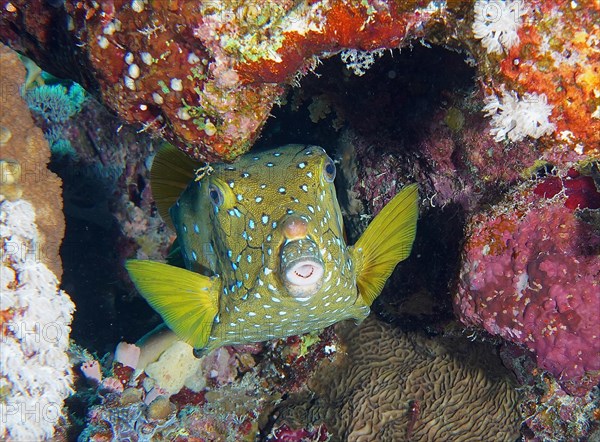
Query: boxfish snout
x,y
301,263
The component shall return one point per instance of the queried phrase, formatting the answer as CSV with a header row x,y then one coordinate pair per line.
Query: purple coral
x,y
531,275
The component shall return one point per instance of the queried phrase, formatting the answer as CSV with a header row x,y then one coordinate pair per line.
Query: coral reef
x,y
35,316
550,413
207,76
408,387
24,153
512,155
530,274
551,63
227,395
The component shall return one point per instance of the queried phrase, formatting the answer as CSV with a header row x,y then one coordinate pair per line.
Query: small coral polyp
x,y
530,275
497,23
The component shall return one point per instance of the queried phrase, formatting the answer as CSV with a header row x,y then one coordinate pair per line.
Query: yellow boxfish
x,y
263,249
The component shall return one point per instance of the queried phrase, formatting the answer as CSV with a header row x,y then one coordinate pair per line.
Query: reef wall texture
x,y
35,316
206,75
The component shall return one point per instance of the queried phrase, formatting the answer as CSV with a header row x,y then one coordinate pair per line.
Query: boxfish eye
x,y
215,194
329,171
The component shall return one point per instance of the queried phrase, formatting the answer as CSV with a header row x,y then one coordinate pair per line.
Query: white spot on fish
x,y
258,199
251,314
265,219
274,299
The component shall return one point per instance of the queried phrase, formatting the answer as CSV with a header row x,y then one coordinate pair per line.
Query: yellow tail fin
x,y
387,241
187,301
171,173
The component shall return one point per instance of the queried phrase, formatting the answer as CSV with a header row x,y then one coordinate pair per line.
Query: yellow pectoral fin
x,y
387,241
171,173
187,301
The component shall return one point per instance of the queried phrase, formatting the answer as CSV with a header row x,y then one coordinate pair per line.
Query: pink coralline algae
x,y
531,274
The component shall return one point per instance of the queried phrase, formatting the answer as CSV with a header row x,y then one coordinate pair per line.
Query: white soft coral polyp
x,y
514,118
497,23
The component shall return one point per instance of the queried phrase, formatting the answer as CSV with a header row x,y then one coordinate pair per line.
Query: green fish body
x,y
263,247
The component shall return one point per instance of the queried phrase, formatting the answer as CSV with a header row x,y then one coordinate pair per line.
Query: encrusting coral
x,y
35,316
530,274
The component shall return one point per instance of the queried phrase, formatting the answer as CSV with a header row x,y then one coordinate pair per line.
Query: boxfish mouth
x,y
301,268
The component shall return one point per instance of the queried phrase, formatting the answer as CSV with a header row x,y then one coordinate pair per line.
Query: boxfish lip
x,y
301,267
303,277
304,271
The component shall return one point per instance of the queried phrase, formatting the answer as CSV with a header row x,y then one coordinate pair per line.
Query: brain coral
x,y
397,386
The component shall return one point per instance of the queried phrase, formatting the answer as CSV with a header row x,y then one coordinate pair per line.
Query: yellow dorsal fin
x,y
171,172
187,301
387,241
